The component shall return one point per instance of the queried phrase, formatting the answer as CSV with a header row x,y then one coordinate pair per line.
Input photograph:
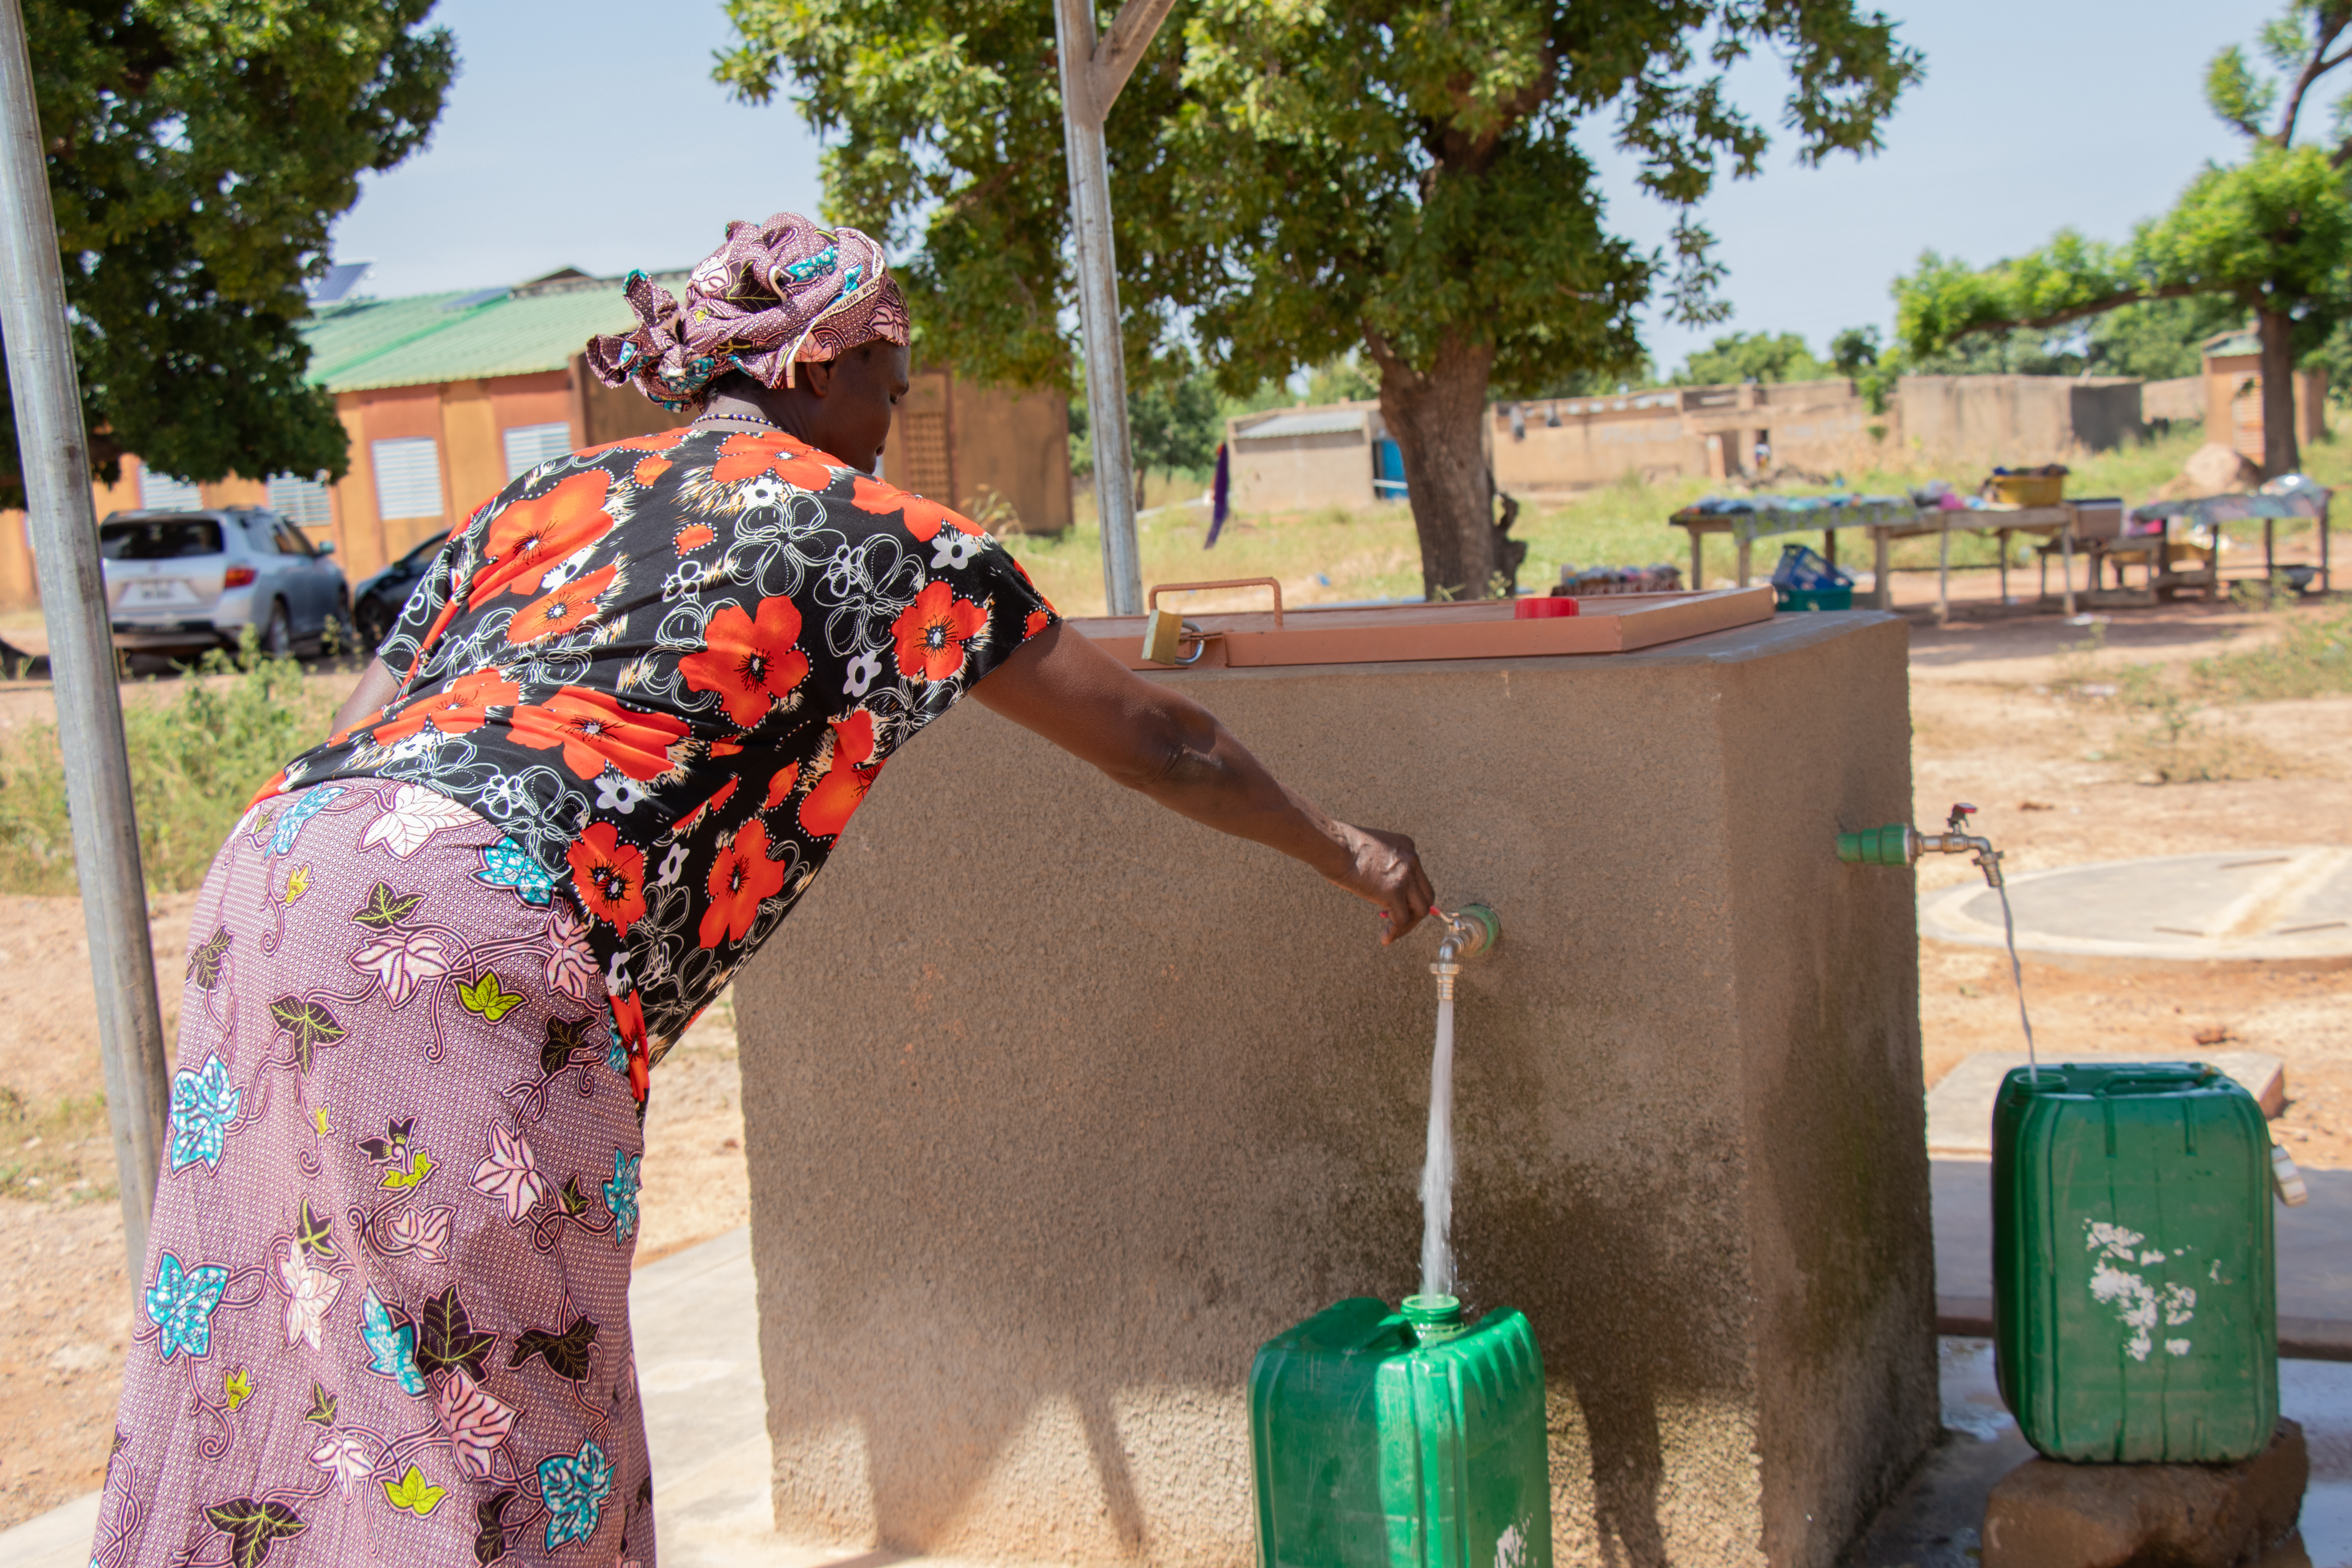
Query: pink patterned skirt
x,y
387,1291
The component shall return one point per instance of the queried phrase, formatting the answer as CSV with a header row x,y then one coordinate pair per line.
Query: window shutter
x,y
529,446
162,492
408,478
920,461
305,501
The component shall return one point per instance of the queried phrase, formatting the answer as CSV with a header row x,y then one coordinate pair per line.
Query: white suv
x,y
186,581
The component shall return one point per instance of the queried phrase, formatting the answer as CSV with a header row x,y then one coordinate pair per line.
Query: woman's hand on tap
x,y
1385,869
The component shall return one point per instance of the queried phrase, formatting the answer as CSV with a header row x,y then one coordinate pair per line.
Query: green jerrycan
x,y
2134,1307
1408,1440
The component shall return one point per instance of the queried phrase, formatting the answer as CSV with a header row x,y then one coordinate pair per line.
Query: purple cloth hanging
x,y
1221,495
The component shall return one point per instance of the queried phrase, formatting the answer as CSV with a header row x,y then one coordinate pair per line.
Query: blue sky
x,y
589,134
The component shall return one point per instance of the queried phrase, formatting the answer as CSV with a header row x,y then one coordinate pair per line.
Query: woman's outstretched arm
x,y
377,687
1156,740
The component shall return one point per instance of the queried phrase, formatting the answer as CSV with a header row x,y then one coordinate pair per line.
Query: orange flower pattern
x,y
609,875
749,660
534,535
461,708
849,771
933,632
669,668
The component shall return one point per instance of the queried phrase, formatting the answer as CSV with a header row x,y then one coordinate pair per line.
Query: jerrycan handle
x,y
2158,1080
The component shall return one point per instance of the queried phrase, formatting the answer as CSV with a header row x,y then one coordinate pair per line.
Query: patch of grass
x,y
2310,655
2166,730
60,1152
2164,735
196,756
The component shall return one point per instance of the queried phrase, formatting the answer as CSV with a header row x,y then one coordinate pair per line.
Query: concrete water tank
x,y
1057,1105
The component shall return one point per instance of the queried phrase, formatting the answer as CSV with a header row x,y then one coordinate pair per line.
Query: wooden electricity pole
x,y
1092,75
54,451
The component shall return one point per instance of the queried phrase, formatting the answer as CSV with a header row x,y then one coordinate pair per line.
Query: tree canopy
x,y
1751,356
1295,179
197,151
2269,233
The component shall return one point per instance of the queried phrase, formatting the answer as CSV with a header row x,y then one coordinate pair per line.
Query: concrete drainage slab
x,y
2270,906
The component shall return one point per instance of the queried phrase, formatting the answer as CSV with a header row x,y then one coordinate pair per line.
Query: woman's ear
x,y
816,375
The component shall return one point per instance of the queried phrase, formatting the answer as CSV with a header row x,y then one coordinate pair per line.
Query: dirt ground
x,y
1993,724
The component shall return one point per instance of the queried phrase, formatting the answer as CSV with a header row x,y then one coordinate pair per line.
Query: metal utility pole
x,y
1092,76
55,455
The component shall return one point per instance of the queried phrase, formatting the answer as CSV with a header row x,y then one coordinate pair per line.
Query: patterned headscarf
x,y
777,294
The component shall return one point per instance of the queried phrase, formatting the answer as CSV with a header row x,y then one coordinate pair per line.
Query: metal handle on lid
x,y
1151,600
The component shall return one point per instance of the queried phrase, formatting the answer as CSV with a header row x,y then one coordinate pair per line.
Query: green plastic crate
x,y
1369,1448
2135,1288
1839,598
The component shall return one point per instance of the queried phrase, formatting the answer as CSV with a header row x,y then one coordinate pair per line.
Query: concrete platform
x,y
1959,1108
2290,907
1934,1523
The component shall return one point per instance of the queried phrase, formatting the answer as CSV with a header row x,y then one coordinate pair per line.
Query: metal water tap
x,y
1474,929
1900,844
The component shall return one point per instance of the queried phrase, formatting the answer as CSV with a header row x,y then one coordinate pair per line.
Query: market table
x,y
2001,522
2307,500
1888,519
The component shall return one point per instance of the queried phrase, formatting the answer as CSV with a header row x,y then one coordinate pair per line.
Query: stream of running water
x,y
1437,1165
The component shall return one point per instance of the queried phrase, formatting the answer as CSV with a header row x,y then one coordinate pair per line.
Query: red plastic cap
x,y
1542,607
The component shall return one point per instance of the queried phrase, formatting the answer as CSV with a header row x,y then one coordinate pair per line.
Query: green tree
x,y
1292,181
197,151
1855,350
1750,356
1174,422
2268,235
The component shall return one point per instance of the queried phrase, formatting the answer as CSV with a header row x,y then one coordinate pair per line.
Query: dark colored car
x,y
376,603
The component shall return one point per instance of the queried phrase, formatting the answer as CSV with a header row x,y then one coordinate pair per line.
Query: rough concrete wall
x,y
1984,420
1840,1220
1303,473
1059,1105
1591,449
1015,446
2179,401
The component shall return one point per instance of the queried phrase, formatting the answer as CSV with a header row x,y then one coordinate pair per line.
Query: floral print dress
x,y
386,1299
669,668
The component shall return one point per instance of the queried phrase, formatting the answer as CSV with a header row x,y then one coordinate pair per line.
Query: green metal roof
x,y
344,334
420,340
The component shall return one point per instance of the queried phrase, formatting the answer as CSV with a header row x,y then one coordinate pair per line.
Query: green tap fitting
x,y
1900,844
1892,844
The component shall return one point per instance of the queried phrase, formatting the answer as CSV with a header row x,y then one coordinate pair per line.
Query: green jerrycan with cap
x,y
2134,1306
1407,1439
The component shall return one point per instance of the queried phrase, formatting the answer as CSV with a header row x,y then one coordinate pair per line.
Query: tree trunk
x,y
1436,420
2281,454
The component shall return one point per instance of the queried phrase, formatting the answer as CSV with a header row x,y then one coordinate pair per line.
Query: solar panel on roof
x,y
341,279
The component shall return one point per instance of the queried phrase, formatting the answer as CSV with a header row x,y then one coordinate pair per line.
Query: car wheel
x,y
278,638
372,628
